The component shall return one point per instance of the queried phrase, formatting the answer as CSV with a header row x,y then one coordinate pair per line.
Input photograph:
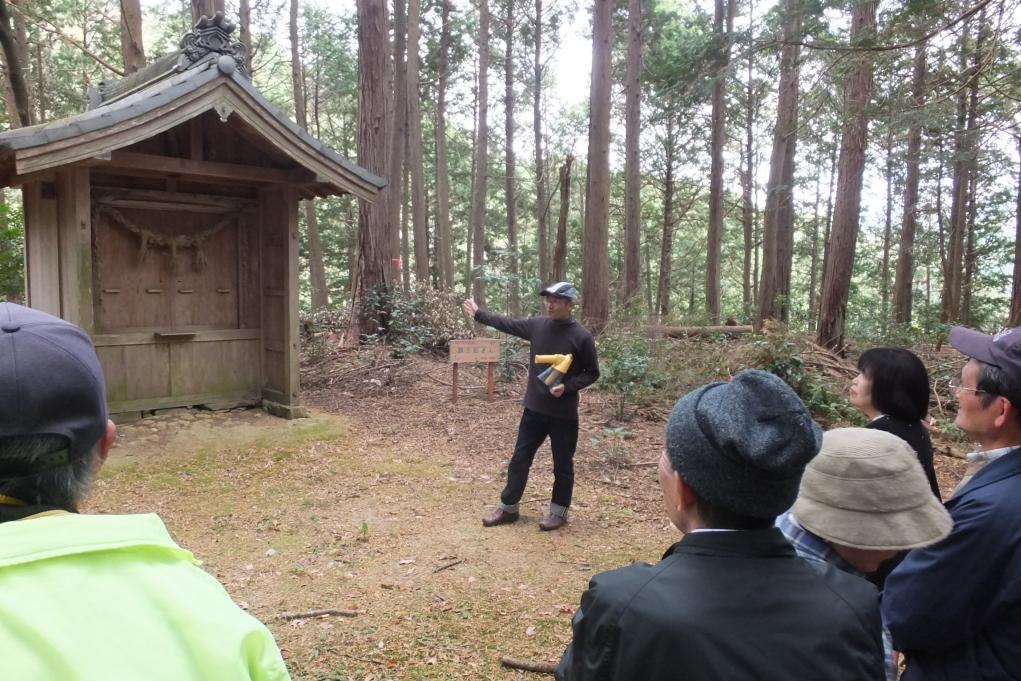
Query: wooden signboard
x,y
473,351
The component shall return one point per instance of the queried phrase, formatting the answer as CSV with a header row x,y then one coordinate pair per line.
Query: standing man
x,y
731,601
954,609
91,597
549,411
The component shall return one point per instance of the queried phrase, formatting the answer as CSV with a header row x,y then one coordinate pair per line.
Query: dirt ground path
x,y
374,505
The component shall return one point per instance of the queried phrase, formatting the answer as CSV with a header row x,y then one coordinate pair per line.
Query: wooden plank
x,y
42,250
218,368
147,337
195,138
135,372
225,172
182,200
239,398
74,220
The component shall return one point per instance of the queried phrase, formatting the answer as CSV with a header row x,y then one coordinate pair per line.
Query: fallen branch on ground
x,y
528,665
315,613
682,331
448,565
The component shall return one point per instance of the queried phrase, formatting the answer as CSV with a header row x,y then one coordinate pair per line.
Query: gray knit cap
x,y
743,445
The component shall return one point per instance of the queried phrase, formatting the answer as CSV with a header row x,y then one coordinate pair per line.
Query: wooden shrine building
x,y
164,221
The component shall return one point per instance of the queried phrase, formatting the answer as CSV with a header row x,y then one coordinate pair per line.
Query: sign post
x,y
473,351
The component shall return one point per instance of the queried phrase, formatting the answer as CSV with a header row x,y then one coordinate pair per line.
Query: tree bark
x,y
778,224
245,32
722,28
205,8
375,268
595,247
317,270
510,184
666,254
560,252
849,183
479,178
15,68
540,166
813,265
405,219
632,178
748,171
445,255
884,270
415,155
904,278
132,49
952,269
399,121
1015,296
973,138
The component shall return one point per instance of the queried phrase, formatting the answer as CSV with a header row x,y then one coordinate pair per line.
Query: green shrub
x,y
625,362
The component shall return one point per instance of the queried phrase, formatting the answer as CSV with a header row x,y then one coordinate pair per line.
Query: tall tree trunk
x,y
415,154
405,219
959,197
317,270
15,68
884,269
666,254
375,267
560,251
748,172
245,32
595,256
902,287
632,179
850,169
132,50
813,268
510,183
399,123
478,201
540,167
1015,295
967,281
778,225
205,8
828,227
445,255
973,139
722,28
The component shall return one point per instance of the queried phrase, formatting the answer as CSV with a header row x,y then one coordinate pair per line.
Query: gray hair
x,y
996,382
64,487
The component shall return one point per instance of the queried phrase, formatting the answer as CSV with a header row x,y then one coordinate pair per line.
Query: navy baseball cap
x,y
1002,350
51,383
561,289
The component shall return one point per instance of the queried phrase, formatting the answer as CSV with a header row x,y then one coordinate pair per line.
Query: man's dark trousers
x,y
533,429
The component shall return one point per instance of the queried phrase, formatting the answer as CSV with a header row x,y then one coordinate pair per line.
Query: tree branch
x,y
44,25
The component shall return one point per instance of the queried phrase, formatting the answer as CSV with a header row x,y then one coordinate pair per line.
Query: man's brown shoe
x,y
500,517
552,522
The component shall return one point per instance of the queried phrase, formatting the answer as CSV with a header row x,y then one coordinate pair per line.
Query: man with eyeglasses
x,y
954,609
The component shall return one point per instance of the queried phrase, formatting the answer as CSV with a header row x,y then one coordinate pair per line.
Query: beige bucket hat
x,y
866,490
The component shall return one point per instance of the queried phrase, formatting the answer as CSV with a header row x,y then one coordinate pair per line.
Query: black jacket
x,y
917,435
551,337
726,606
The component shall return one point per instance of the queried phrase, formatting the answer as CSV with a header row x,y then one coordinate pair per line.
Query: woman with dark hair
x,y
892,390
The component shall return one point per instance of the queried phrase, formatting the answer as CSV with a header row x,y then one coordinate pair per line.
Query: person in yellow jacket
x,y
95,597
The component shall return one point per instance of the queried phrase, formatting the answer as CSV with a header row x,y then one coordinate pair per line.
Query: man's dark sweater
x,y
551,337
